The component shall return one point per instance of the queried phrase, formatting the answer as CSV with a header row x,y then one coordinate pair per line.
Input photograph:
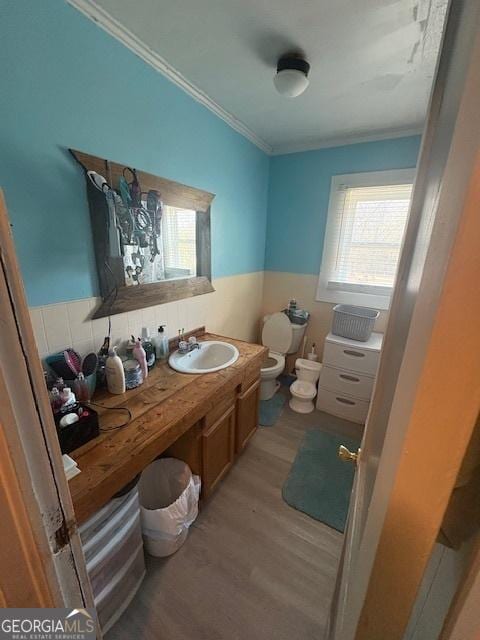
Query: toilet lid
x,y
277,333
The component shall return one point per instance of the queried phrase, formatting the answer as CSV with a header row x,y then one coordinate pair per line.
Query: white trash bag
x,y
168,495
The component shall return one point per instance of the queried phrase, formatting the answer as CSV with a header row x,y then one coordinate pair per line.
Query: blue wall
x,y
66,83
299,192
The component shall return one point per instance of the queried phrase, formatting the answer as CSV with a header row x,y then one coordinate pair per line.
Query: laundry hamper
x,y
353,322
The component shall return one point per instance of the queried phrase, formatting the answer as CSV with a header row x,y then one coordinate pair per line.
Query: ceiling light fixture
x,y
291,79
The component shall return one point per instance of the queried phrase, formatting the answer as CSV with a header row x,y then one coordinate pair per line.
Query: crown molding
x,y
313,144
108,23
113,27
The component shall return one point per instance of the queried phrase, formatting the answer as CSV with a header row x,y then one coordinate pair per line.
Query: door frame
x,y
462,621
46,562
433,398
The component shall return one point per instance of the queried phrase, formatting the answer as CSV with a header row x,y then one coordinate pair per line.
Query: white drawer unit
x,y
343,353
350,383
348,376
112,601
107,522
113,549
343,406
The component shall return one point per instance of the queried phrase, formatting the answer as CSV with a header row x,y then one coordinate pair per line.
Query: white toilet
x,y
281,337
304,389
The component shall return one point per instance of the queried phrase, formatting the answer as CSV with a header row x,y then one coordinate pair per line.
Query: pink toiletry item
x,y
139,354
73,361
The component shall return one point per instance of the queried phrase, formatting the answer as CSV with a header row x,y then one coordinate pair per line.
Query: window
x,y
179,242
366,221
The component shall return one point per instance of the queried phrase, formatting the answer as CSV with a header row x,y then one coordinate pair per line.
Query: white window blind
x,y
178,239
365,228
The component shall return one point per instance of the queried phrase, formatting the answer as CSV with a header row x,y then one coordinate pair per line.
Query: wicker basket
x,y
353,322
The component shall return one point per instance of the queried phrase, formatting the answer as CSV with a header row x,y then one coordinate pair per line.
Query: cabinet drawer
x,y
223,404
107,522
252,374
351,358
342,405
119,592
119,549
350,383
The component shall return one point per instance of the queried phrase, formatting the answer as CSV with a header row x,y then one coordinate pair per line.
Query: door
x,y
247,415
218,450
41,559
427,397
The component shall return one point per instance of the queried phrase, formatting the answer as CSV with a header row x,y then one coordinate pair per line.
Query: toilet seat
x,y
277,336
303,389
277,363
303,393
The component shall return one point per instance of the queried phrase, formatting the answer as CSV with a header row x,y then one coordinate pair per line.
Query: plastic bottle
x,y
81,388
129,348
140,357
55,400
114,373
149,348
68,398
102,358
161,344
313,354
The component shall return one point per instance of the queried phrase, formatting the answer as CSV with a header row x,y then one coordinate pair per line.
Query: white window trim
x,y
368,179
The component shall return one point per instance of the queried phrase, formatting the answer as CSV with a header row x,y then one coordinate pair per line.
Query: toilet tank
x,y
298,331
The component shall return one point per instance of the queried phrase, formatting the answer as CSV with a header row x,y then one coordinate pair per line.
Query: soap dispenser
x,y
161,344
148,347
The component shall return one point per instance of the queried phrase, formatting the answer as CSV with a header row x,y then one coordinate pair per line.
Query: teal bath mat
x,y
270,410
319,483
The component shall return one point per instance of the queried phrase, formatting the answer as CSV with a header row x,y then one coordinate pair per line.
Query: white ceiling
x,y
372,61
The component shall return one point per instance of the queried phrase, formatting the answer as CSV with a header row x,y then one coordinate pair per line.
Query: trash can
x,y
168,495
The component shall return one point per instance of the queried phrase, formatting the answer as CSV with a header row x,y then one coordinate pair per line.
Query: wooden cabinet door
x,y
247,415
218,444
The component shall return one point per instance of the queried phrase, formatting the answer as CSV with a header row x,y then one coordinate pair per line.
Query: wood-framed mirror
x,y
151,236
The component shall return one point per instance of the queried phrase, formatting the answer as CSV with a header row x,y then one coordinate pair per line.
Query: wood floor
x,y
252,567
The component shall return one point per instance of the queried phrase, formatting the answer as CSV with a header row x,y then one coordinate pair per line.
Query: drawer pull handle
x,y
356,354
345,401
349,378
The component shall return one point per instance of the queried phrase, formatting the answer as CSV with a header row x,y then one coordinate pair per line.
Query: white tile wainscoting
x,y
233,309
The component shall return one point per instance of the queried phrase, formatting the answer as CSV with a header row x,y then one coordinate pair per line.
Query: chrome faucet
x,y
185,347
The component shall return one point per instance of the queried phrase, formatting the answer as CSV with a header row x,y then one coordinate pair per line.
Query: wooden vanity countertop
x,y
163,409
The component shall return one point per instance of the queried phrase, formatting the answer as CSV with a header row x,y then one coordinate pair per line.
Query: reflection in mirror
x,y
170,254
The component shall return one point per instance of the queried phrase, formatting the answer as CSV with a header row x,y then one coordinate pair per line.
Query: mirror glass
x,y
164,250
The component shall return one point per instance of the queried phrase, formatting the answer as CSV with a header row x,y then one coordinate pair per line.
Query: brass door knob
x,y
346,455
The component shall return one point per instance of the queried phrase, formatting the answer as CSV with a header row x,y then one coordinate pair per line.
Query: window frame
x,y
352,180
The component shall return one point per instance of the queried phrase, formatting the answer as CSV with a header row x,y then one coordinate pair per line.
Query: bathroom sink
x,y
212,355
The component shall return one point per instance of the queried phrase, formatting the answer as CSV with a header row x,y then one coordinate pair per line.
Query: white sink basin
x,y
213,355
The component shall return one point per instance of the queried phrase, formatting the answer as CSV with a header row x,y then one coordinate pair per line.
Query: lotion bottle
x,y
114,373
140,357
